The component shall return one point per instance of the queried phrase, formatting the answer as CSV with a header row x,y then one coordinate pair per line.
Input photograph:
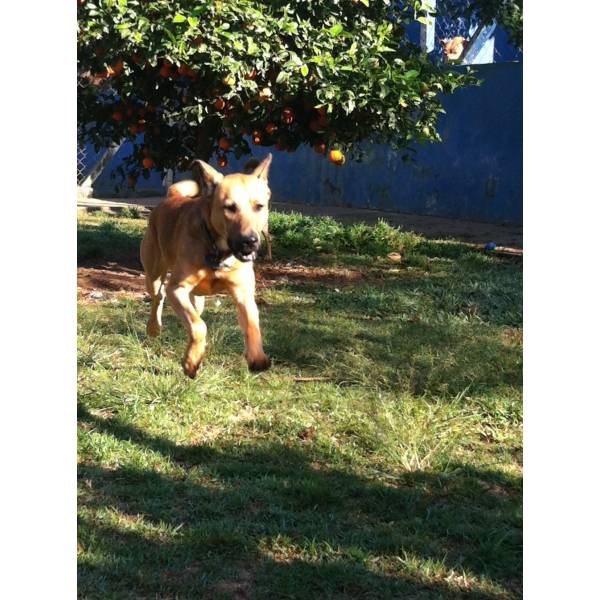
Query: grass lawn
x,y
380,457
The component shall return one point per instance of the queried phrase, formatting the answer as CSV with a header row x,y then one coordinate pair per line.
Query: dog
x,y
454,48
249,168
206,233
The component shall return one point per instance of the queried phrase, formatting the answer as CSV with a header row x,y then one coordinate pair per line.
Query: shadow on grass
x,y
109,241
271,521
403,352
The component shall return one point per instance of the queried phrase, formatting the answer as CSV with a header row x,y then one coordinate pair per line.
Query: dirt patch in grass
x,y
283,273
111,279
114,277
238,588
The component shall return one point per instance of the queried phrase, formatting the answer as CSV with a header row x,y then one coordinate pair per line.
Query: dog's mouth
x,y
245,256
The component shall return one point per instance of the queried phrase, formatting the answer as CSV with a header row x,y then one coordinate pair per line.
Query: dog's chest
x,y
212,282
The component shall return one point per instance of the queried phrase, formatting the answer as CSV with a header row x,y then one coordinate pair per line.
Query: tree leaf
x,y
336,30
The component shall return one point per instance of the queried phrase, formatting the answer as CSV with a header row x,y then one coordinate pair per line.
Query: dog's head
x,y
238,206
454,48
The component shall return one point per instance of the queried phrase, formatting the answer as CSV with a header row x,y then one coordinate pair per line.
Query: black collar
x,y
215,258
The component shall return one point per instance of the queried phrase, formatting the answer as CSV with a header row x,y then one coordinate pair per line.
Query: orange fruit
x,y
251,75
219,104
224,144
148,163
337,157
287,115
222,162
271,128
257,138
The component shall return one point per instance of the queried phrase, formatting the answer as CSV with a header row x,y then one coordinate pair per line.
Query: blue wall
x,y
476,173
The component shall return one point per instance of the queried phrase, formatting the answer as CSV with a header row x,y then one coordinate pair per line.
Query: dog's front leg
x,y
250,326
179,297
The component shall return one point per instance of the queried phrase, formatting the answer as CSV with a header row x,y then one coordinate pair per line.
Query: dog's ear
x,y
262,171
206,176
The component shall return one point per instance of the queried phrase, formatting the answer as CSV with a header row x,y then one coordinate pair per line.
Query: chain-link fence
x,y
82,82
81,164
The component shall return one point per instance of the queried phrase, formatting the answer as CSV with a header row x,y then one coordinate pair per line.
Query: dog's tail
x,y
187,188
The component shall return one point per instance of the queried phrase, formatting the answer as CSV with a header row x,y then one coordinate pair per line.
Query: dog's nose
x,y
249,242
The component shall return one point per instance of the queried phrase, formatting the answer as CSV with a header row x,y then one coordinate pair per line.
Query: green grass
x,y
395,475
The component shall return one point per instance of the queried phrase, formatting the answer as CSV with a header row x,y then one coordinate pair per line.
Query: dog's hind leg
x,y
198,302
156,289
156,274
268,243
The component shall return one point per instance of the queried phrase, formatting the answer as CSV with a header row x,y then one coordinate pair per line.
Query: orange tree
x,y
200,78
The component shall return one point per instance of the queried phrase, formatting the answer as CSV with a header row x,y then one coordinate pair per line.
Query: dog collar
x,y
216,259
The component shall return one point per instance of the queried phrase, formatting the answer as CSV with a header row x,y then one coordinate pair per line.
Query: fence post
x,y
168,179
86,185
481,46
428,31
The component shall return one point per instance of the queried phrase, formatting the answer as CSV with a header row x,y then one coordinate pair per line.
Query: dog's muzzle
x,y
245,247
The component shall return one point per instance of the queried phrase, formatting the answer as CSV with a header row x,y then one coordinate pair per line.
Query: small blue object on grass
x,y
490,246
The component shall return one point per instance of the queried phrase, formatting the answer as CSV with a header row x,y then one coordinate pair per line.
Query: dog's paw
x,y
153,329
190,368
261,363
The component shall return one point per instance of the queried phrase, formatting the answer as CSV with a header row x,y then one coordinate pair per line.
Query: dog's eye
x,y
230,208
258,207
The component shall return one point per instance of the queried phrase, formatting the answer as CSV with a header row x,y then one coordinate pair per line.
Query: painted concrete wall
x,y
476,173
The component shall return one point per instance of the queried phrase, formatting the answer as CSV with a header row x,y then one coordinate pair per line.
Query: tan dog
x,y
207,233
454,48
249,168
